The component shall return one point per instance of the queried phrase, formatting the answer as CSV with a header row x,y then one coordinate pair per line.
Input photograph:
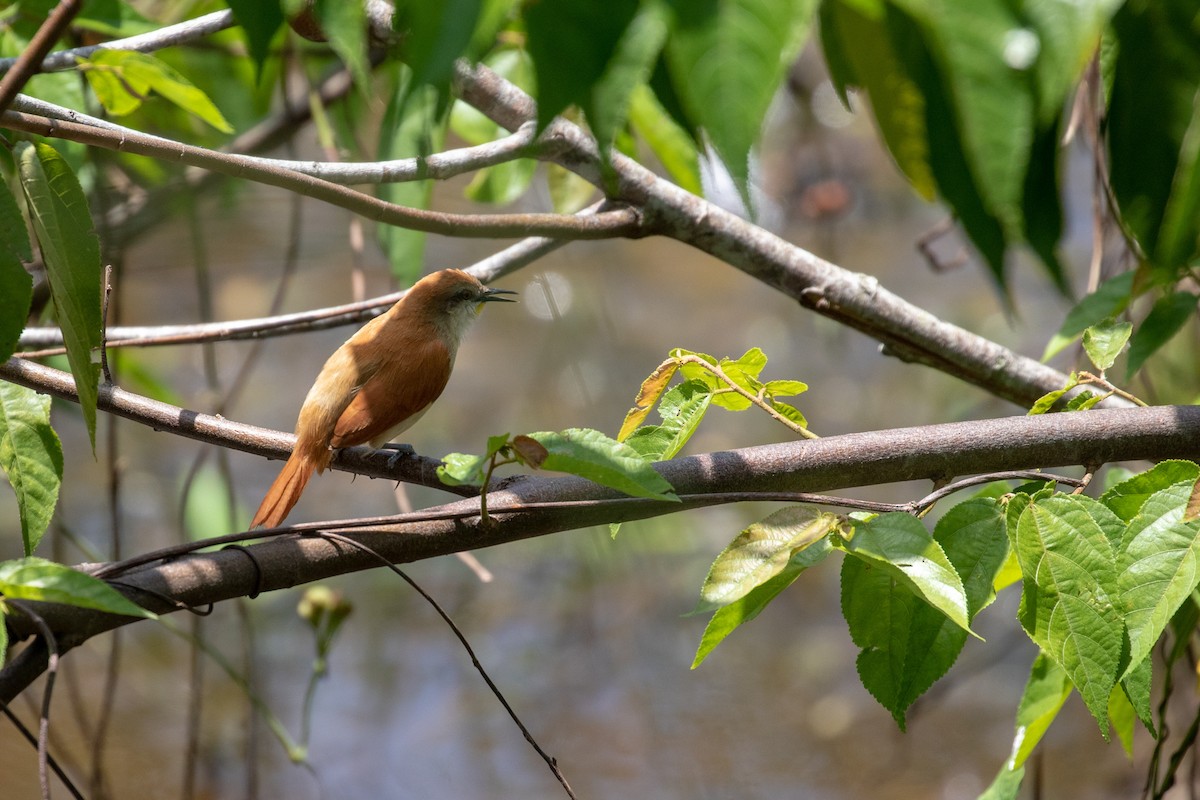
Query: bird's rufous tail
x,y
284,492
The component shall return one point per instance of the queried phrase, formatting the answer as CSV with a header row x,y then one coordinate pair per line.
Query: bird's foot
x,y
400,451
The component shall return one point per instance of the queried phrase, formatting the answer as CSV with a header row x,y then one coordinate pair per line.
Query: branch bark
x,y
930,452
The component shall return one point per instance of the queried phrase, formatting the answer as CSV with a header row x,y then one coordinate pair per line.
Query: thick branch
x,y
854,299
836,462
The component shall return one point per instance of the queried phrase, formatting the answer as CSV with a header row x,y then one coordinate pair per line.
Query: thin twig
x,y
550,761
1008,475
30,61
506,261
619,222
1091,379
756,399
29,737
51,672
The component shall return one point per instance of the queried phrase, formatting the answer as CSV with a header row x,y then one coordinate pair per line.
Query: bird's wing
x,y
395,395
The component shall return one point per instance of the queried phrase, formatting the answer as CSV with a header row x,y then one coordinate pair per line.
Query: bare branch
x,y
169,36
30,61
49,340
604,225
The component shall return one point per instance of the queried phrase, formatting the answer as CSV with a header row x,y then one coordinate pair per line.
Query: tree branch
x,y
603,225
856,300
835,462
30,61
49,340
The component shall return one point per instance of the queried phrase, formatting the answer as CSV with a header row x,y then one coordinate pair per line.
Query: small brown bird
x,y
381,381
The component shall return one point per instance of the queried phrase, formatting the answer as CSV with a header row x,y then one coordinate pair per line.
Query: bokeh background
x,y
586,635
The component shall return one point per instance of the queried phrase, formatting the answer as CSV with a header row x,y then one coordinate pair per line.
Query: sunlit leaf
x,y
1104,341
1045,692
1110,298
728,618
123,78
45,581
682,408
31,456
760,552
1069,605
592,455
1126,498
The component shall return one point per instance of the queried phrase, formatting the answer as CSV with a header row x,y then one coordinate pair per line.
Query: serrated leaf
x,y
898,544
45,581
682,409
592,455
648,394
1069,604
898,666
122,78
785,388
729,618
1110,298
1046,402
1120,714
1137,684
1045,692
1104,341
31,456
16,284
69,246
1083,401
727,58
1125,499
760,552
1158,567
789,412
1168,316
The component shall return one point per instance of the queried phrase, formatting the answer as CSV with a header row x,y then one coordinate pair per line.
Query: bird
x,y
380,381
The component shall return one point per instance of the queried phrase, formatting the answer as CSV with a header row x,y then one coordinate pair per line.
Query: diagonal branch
x,y
29,62
853,299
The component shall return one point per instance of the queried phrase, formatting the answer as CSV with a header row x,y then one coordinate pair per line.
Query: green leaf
x,y
503,183
408,130
579,33
345,27
898,544
1125,499
728,618
47,582
785,388
681,409
259,20
762,551
69,246
1046,402
436,34
727,58
1168,316
860,52
1158,566
121,80
1005,786
912,645
669,143
462,469
31,457
16,284
1070,593
592,455
1045,692
1110,298
1137,683
629,66
1104,341
1120,714
1155,75
568,192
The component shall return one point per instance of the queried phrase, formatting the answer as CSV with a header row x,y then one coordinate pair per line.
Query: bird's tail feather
x,y
284,492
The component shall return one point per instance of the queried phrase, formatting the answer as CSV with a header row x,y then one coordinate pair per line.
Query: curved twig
x,y
603,225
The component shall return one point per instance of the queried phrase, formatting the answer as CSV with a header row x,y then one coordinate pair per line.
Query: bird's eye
x,y
463,295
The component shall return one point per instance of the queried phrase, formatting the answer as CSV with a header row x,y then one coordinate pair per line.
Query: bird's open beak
x,y
491,295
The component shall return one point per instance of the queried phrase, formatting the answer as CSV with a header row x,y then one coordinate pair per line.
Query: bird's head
x,y
453,299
